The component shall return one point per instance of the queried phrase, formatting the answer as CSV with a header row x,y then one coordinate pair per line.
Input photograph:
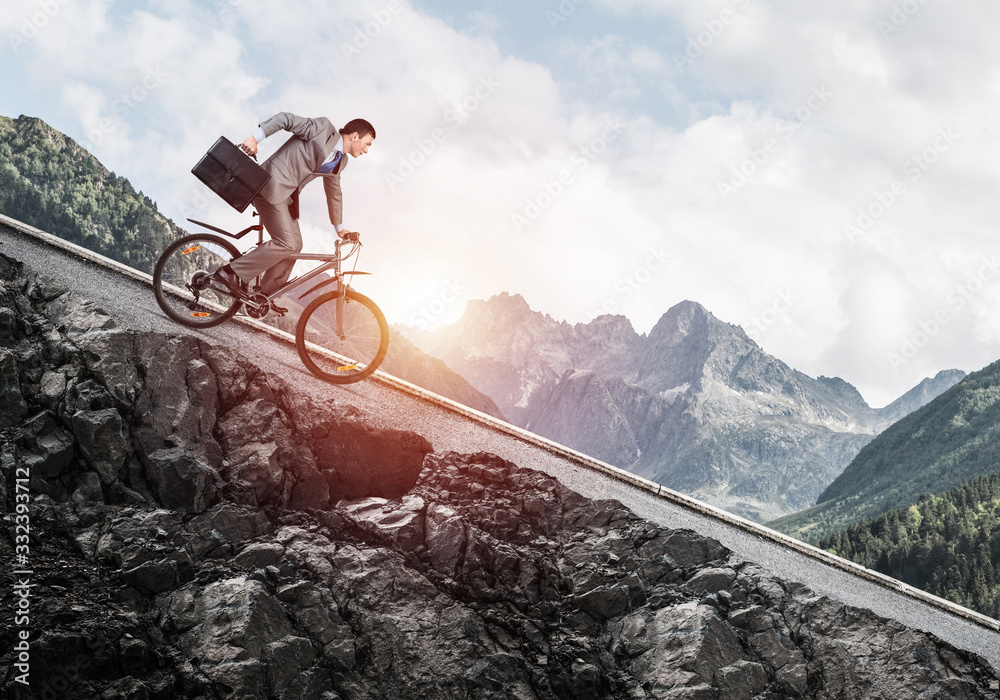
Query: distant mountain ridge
x,y
920,395
695,405
949,441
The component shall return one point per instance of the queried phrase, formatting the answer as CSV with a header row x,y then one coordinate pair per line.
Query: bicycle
x,y
341,335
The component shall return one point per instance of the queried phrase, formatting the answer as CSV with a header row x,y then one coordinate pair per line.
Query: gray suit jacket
x,y
294,165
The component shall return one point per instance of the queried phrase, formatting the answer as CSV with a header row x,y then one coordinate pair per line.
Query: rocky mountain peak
x,y
919,395
949,376
614,326
499,307
508,329
34,129
846,392
689,344
508,300
681,320
605,344
502,328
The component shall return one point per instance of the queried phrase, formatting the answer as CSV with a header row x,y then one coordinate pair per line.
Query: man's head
x,y
358,136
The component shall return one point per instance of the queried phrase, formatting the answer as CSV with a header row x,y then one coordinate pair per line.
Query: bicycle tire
x,y
176,272
342,360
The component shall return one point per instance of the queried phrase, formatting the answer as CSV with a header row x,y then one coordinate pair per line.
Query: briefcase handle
x,y
251,155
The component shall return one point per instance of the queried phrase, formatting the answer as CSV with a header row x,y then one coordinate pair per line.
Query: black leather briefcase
x,y
231,174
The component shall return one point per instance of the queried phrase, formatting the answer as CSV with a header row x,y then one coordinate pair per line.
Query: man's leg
x,y
271,255
275,277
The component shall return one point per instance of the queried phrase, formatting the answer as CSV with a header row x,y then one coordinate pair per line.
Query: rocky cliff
x,y
695,405
198,528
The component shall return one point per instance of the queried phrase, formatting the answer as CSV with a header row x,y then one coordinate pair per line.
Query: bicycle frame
x,y
338,279
331,262
259,228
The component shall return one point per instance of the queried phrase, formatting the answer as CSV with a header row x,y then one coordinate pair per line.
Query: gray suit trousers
x,y
270,257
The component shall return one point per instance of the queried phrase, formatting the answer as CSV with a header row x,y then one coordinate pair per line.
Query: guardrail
x,y
565,452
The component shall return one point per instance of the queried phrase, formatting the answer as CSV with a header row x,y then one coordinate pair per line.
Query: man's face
x,y
358,145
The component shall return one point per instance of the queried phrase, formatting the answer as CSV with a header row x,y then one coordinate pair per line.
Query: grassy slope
x,y
49,181
951,440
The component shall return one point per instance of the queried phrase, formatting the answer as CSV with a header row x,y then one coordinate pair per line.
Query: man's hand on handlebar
x,y
351,236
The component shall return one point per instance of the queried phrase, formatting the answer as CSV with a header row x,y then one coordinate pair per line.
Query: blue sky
x,y
822,174
546,33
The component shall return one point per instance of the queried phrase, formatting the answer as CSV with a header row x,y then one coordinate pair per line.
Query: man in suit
x,y
316,150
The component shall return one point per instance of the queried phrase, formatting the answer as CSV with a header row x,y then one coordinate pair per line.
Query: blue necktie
x,y
329,167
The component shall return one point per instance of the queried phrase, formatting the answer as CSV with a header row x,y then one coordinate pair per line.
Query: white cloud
x,y
891,99
471,135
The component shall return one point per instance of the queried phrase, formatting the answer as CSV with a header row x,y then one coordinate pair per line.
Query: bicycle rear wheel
x,y
181,281
348,356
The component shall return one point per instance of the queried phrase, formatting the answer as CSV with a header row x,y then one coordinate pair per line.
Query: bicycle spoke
x,y
348,356
182,285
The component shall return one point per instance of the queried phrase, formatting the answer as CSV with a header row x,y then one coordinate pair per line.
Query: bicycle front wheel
x,y
181,281
347,351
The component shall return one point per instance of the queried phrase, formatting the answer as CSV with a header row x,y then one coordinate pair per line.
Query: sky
x,y
821,174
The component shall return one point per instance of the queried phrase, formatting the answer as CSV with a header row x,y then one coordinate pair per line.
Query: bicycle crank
x,y
257,306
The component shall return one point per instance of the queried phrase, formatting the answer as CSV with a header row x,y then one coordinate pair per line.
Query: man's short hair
x,y
362,127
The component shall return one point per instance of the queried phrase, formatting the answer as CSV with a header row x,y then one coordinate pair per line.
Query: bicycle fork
x,y
342,288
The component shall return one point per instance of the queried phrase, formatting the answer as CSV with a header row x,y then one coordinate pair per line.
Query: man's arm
x,y
334,200
303,127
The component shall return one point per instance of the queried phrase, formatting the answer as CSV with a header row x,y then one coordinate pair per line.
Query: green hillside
x,y
951,440
48,181
948,545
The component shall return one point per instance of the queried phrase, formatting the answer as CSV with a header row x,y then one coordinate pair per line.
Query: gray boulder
x,y
101,438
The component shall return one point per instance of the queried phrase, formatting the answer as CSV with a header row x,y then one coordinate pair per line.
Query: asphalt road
x,y
132,304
